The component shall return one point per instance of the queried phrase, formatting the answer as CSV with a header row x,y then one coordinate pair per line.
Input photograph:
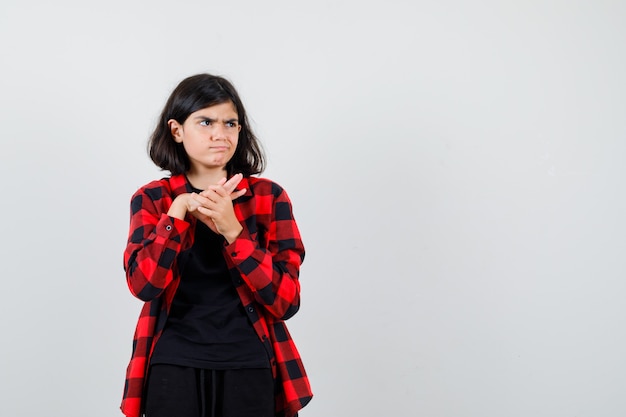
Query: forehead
x,y
224,110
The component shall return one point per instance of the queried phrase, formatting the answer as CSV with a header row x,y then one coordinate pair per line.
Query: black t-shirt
x,y
207,326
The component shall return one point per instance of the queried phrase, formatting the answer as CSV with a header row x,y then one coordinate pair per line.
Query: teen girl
x,y
215,254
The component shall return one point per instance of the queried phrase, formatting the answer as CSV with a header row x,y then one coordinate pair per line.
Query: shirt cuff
x,y
169,226
242,248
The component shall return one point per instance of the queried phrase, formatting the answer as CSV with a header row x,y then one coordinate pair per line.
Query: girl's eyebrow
x,y
234,119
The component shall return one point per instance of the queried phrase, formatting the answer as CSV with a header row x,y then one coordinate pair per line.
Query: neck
x,y
202,180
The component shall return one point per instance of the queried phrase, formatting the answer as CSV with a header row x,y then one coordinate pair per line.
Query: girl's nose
x,y
219,132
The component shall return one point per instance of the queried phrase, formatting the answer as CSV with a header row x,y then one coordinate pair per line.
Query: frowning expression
x,y
209,136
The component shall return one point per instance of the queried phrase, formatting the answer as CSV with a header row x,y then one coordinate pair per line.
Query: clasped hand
x,y
213,207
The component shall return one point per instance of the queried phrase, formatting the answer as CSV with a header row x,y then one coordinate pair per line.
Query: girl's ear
x,y
176,129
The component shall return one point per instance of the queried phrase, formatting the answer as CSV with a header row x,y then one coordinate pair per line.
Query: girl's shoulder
x,y
174,183
153,186
161,189
262,186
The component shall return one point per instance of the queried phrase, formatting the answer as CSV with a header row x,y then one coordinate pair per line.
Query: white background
x,y
456,169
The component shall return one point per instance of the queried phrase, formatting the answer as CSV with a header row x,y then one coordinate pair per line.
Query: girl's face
x,y
209,136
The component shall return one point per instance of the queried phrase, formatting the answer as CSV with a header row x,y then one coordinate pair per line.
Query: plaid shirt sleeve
x,y
155,239
269,251
265,260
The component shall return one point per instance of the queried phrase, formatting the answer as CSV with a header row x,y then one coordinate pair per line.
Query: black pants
x,y
176,391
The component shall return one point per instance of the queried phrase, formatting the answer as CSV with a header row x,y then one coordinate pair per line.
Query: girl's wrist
x,y
178,209
231,236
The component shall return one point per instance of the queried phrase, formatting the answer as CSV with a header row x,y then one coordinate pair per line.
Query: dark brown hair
x,y
192,94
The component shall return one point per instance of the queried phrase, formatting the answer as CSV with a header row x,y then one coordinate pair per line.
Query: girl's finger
x,y
203,198
216,188
232,183
237,194
207,212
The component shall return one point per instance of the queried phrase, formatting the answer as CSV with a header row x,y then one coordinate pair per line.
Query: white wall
x,y
456,168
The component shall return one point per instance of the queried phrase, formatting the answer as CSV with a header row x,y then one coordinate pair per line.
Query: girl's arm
x,y
155,239
270,265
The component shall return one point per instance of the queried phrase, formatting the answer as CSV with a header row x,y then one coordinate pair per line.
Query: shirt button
x,y
251,309
168,227
233,254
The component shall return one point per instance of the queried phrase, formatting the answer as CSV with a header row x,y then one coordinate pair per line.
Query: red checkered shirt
x,y
264,263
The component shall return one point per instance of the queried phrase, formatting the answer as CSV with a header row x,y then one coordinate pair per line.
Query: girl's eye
x,y
231,124
205,123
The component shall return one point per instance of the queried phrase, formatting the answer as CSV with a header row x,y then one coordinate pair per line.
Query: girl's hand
x,y
182,204
214,207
